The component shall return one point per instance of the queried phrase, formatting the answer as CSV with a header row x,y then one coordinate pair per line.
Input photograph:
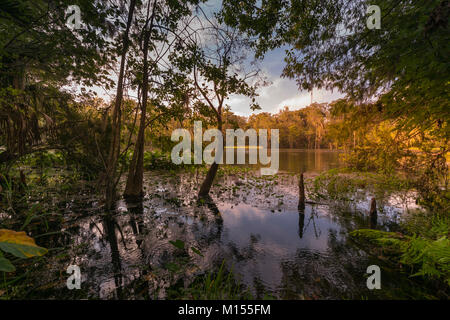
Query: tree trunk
x,y
207,183
134,187
315,140
114,150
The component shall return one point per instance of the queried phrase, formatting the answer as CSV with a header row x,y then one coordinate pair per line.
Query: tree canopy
x,y
401,66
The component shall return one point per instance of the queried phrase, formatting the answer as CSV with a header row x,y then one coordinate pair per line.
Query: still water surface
x,y
253,224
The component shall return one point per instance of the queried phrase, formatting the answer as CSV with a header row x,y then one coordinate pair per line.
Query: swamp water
x,y
252,224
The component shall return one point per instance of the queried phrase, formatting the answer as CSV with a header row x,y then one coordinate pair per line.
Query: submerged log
x,y
301,192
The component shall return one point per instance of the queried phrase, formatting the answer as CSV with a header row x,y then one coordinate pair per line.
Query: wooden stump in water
x,y
373,213
373,207
301,192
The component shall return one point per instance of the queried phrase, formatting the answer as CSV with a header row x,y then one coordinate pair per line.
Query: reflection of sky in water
x,y
278,230
272,237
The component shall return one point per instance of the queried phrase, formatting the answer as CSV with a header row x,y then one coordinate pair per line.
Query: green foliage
x,y
431,257
153,160
304,128
178,244
349,185
44,159
329,45
426,224
425,246
39,55
402,69
157,160
390,241
6,265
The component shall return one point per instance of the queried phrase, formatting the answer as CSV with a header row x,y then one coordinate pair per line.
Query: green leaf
x,y
197,251
6,265
179,244
19,244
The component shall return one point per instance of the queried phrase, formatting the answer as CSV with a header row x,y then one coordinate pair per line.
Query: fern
x,y
430,257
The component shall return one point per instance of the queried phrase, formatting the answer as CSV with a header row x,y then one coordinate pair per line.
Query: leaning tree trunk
x,y
134,187
207,183
114,149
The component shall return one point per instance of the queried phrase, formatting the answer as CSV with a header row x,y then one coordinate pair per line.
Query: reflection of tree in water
x,y
110,224
301,222
337,273
202,233
244,253
348,220
259,288
311,220
340,272
136,212
373,221
122,274
314,275
235,254
218,218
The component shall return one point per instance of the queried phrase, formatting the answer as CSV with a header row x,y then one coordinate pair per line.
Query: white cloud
x,y
282,92
296,102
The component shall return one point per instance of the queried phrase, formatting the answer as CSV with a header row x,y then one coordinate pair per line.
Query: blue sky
x,y
281,92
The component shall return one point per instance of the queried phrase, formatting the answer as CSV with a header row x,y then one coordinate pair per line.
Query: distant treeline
x,y
308,127
317,126
304,128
